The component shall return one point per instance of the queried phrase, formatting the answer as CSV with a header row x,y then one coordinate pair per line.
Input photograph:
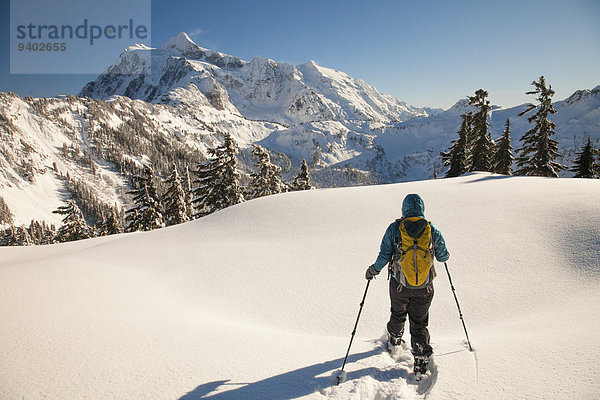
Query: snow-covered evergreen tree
x,y
36,231
6,216
267,178
24,237
457,157
9,237
503,157
482,150
586,165
187,187
539,151
217,180
146,214
73,225
174,200
110,224
302,181
16,236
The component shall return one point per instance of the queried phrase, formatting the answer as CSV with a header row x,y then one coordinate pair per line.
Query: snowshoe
x,y
421,360
420,367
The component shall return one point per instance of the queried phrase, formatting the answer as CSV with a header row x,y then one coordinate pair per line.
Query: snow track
x,y
386,376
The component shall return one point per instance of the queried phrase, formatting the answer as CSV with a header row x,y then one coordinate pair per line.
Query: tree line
x,y
474,150
213,186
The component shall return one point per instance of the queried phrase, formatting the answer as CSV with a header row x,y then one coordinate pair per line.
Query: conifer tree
x,y
539,151
146,213
302,181
187,187
110,224
73,225
217,180
8,237
35,231
483,147
17,236
49,234
267,179
174,200
586,165
6,216
503,157
24,237
457,157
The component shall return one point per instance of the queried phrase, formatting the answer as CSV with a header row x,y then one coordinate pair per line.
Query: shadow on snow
x,y
485,178
286,386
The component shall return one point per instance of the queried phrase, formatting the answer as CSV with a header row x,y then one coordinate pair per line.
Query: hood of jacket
x,y
413,206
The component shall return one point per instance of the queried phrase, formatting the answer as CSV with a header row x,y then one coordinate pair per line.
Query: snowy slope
x,y
34,131
31,143
257,301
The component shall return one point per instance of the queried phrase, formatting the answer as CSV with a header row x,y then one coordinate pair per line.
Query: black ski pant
x,y
414,303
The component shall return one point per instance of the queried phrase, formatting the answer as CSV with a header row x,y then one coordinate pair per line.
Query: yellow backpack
x,y
414,252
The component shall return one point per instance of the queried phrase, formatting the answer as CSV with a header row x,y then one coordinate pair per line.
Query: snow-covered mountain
x,y
260,89
418,141
172,104
332,120
49,144
258,301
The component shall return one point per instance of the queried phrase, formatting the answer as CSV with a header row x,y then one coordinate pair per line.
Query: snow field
x,y
258,301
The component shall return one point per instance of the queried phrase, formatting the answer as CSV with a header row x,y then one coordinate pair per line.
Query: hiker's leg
x,y
418,314
398,309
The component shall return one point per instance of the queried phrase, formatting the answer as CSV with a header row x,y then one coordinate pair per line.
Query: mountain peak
x,y
582,95
182,43
461,107
184,36
185,46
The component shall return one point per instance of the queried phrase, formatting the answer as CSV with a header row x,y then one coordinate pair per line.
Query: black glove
x,y
371,272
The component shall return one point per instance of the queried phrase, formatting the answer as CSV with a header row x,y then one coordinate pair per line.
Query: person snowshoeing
x,y
408,246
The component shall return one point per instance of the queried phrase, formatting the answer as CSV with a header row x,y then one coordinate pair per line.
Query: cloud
x,y
196,32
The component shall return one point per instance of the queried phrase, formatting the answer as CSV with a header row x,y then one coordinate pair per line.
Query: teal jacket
x,y
412,206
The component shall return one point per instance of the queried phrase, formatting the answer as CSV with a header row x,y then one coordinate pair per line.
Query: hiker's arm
x,y
439,245
386,249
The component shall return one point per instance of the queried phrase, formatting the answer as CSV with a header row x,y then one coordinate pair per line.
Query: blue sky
x,y
427,53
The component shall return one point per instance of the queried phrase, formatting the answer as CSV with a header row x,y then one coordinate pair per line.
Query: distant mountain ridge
x,y
331,119
173,103
259,89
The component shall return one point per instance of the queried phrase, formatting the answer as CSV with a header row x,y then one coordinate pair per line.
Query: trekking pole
x,y
458,305
340,376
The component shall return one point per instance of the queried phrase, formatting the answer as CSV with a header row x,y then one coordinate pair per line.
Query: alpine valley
x,y
171,104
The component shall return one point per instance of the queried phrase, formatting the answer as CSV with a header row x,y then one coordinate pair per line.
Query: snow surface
x,y
258,301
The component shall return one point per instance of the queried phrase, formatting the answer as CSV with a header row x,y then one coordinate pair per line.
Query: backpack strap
x,y
430,247
397,247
